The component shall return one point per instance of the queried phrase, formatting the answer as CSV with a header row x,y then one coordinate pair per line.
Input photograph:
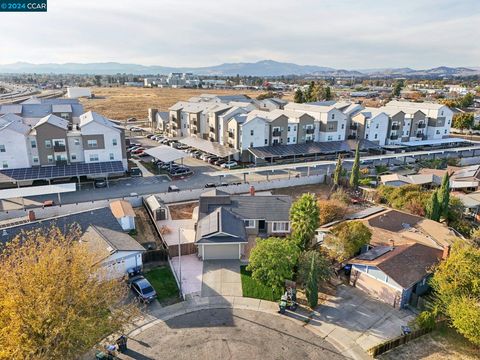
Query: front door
x,y
262,226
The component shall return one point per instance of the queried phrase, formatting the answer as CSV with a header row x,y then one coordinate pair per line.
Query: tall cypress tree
x,y
355,175
312,284
338,172
433,207
444,195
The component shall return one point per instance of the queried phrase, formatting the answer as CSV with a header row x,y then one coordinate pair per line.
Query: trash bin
x,y
122,344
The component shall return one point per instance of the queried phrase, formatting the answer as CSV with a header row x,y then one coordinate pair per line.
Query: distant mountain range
x,y
260,68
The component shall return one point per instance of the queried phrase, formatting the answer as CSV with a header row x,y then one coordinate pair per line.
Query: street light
x,y
180,261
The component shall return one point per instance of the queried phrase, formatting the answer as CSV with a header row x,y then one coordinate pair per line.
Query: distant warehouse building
x,y
78,92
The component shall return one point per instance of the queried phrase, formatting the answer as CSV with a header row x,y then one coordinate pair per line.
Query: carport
x,y
210,147
167,154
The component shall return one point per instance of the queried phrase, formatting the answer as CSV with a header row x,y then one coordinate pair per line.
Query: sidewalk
x,y
145,171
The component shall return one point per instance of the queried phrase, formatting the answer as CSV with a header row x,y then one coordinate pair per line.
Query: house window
x,y
73,157
281,226
249,224
251,132
76,141
93,157
112,157
114,142
5,165
2,148
92,143
33,144
50,158
48,144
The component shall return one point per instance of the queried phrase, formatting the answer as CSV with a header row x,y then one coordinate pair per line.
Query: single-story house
x,y
227,225
425,180
101,231
123,212
396,275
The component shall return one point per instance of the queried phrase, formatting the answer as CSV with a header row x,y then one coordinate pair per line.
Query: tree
x,y
457,289
299,97
347,239
330,210
444,195
304,219
312,285
463,121
338,172
355,175
475,236
272,261
309,94
434,209
397,89
322,267
56,299
328,93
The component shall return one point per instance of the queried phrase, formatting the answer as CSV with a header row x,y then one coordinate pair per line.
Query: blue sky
x,y
350,34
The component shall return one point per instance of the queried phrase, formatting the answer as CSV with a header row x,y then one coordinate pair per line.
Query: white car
x,y
229,164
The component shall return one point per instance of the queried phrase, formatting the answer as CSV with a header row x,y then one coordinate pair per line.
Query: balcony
x,y
420,135
61,162
422,126
59,147
393,137
276,133
309,131
353,126
351,137
395,127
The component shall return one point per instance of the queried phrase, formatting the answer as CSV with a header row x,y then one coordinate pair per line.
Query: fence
x,y
155,255
393,343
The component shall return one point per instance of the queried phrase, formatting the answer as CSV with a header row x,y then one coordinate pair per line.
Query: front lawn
x,y
253,289
163,282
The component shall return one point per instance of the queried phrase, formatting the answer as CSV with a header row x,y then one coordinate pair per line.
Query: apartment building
x,y
54,140
369,124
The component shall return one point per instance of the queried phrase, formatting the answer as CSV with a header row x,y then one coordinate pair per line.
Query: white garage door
x,y
220,252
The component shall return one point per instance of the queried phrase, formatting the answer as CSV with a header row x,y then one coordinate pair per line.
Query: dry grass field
x,y
121,103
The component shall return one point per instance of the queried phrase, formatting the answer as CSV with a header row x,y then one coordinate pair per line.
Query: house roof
x,y
13,122
406,264
220,226
53,120
418,179
121,208
92,116
101,219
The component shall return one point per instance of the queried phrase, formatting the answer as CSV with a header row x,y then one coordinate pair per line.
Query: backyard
x,y
164,284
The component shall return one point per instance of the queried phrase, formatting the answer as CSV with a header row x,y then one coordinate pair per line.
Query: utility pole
x,y
180,261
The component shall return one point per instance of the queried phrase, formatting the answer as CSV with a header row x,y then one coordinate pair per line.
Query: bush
x,y
341,196
331,210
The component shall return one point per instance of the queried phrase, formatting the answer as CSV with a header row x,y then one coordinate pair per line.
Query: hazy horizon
x,y
362,34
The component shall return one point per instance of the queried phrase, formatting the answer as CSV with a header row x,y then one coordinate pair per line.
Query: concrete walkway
x,y
221,277
145,171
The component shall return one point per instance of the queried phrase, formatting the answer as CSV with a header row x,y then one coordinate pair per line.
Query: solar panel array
x,y
60,171
375,253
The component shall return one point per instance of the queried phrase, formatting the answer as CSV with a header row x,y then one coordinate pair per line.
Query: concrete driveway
x,y
221,278
354,319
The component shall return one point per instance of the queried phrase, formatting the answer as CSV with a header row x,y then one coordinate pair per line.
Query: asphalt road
x,y
229,334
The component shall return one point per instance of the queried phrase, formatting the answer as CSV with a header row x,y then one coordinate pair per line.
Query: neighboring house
x,y
228,224
77,92
370,124
99,228
123,212
425,180
471,202
398,274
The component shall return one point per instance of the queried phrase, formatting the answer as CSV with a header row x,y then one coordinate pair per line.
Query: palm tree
x,y
304,219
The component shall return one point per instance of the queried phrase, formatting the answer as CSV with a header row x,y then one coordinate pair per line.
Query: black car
x,y
142,289
100,183
210,185
135,171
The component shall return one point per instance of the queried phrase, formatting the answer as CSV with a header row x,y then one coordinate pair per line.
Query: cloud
x,y
341,34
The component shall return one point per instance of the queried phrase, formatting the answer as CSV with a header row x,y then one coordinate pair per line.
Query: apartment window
x,y
294,127
438,132
251,144
441,114
50,158
92,143
448,122
112,157
339,137
329,138
376,136
445,131
249,224
5,165
281,226
48,144
376,126
288,128
2,148
35,159
73,157
343,126
251,132
288,140
114,142
76,141
366,136
93,157
33,144
266,141
333,116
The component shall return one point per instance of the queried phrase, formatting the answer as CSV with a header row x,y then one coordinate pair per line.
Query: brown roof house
x,y
396,275
123,212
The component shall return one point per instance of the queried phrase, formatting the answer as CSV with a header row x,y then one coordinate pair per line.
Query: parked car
x,y
210,185
149,136
135,171
138,150
132,119
229,164
173,188
212,159
142,154
132,149
181,171
100,183
48,203
220,162
142,289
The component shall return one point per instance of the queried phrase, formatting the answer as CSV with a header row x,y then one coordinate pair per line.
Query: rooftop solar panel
x,y
375,253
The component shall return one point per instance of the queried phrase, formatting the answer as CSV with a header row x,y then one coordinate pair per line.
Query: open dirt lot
x,y
182,211
146,234
121,103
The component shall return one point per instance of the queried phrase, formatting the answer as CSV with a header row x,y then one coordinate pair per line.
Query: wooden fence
x,y
393,343
155,255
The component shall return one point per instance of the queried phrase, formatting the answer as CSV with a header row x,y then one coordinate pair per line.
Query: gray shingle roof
x,y
220,226
101,219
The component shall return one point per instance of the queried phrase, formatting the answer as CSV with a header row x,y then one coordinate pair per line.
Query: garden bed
x,y
253,289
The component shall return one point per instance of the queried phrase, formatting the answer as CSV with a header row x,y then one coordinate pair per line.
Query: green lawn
x,y
163,282
253,289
